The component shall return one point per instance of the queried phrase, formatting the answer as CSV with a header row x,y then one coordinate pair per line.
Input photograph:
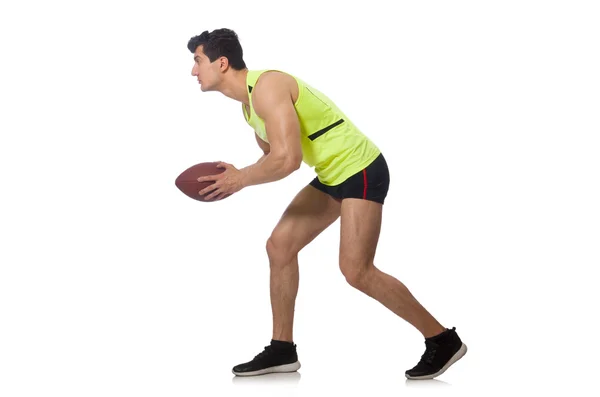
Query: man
x,y
293,122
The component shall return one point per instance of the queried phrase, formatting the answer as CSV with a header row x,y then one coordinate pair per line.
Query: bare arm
x,y
273,103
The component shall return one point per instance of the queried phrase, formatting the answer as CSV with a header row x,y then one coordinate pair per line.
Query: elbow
x,y
294,162
291,163
286,161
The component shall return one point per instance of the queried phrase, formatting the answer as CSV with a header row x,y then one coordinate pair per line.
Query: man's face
x,y
206,72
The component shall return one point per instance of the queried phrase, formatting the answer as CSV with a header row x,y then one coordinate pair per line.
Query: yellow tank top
x,y
331,143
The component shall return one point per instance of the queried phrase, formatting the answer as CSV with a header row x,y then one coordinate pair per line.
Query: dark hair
x,y
220,43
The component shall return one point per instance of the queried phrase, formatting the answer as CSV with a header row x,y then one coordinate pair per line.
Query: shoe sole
x,y
457,356
276,369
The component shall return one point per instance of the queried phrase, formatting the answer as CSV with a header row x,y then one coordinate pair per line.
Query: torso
x,y
330,141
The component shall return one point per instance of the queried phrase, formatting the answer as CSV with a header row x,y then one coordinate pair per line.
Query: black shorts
x,y
371,183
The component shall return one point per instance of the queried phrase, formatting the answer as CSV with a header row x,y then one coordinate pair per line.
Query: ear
x,y
224,64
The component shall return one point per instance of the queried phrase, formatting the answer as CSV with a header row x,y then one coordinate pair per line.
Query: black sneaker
x,y
441,351
279,356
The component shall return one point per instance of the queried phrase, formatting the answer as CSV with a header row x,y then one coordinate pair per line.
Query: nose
x,y
195,70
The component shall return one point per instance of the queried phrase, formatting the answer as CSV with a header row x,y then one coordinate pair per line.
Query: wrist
x,y
244,177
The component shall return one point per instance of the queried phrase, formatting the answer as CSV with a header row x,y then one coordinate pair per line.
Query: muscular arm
x,y
273,103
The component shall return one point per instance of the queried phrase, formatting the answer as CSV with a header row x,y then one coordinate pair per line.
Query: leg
x,y
309,213
360,227
361,215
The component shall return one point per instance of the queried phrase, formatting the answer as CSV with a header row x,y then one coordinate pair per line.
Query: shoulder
x,y
274,87
275,80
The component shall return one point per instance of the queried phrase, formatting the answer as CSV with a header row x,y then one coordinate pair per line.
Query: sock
x,y
441,336
280,344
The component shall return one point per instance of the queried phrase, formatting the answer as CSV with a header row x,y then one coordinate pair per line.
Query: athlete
x,y
293,123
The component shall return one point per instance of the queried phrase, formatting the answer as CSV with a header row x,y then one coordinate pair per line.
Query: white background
x,y
113,283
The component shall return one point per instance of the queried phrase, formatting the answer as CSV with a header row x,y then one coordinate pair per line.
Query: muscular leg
x,y
309,213
360,227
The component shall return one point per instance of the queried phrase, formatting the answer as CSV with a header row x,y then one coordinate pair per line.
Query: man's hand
x,y
225,183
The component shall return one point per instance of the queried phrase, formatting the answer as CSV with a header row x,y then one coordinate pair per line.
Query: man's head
x,y
215,53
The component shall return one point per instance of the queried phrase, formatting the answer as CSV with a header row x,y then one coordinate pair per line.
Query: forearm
x,y
268,168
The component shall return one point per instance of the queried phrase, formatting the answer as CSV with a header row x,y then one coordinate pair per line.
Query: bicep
x,y
283,129
276,108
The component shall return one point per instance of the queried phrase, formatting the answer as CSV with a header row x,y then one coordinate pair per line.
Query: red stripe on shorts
x,y
365,183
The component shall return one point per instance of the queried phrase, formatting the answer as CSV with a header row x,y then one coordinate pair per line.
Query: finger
x,y
221,196
208,178
208,189
212,195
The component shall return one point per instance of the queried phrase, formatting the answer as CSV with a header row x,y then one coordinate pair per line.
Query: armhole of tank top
x,y
244,111
247,116
301,88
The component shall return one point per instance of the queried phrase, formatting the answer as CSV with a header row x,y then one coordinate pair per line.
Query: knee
x,y
279,249
356,274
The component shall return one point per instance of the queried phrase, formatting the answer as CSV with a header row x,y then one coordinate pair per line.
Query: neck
x,y
234,86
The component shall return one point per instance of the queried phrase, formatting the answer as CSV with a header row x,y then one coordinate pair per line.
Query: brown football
x,y
188,183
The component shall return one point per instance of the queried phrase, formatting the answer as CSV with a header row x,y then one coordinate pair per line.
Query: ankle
x,y
441,335
282,341
283,337
432,329
282,344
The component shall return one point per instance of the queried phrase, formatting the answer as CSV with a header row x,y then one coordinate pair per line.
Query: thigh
x,y
360,226
310,212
